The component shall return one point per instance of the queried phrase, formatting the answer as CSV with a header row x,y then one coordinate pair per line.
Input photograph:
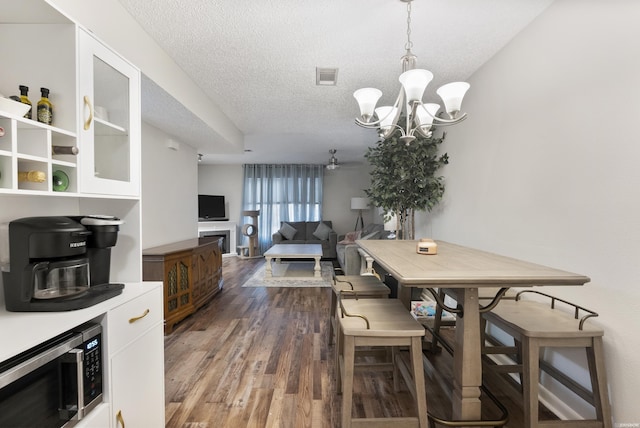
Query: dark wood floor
x,y
258,357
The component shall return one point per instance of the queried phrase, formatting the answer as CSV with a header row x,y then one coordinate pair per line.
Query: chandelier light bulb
x,y
367,99
452,95
414,83
386,114
425,114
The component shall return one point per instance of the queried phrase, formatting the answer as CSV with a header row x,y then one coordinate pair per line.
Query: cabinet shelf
x,y
26,157
63,163
108,128
24,123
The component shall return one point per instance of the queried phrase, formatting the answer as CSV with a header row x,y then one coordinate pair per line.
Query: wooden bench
x,y
374,323
363,286
535,325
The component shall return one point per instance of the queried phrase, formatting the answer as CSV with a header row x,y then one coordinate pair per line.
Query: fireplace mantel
x,y
208,228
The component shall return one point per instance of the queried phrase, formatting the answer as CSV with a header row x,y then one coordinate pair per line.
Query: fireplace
x,y
219,229
211,235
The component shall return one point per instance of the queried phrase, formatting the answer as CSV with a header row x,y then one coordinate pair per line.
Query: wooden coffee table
x,y
293,251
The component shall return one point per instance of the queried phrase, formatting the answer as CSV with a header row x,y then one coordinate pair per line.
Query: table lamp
x,y
391,226
359,204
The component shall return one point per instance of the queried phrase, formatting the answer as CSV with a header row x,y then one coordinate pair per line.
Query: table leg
x,y
316,269
404,295
467,358
268,273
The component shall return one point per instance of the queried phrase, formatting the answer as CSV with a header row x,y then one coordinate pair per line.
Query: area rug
x,y
292,274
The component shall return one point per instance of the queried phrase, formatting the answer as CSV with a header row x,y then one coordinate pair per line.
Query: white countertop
x,y
20,331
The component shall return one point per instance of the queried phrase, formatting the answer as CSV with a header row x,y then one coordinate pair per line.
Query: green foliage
x,y
403,177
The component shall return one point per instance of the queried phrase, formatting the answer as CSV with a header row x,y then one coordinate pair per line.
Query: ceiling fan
x,y
333,161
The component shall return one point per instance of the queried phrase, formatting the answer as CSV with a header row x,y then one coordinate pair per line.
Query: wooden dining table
x,y
461,271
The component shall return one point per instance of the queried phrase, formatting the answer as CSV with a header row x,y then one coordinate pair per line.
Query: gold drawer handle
x,y
119,418
132,320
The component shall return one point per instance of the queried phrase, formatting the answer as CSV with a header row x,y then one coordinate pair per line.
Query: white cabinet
x,y
133,351
136,362
26,144
97,418
96,99
138,387
110,120
26,149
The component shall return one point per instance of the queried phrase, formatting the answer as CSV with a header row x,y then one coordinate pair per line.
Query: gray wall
x,y
223,180
169,190
339,186
546,168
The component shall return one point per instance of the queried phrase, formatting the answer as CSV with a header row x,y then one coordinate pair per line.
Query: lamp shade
x,y
367,99
392,224
359,203
386,114
425,114
452,95
414,83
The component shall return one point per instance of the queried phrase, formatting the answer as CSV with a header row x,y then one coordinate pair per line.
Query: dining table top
x,y
457,266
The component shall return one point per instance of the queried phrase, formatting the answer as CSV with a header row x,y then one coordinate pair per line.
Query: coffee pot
x,y
51,262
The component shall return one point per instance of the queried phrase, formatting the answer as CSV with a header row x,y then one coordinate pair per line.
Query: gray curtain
x,y
281,193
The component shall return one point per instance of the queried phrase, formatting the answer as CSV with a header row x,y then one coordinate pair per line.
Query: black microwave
x,y
55,384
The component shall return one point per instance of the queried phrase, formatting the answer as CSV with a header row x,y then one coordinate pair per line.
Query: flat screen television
x,y
212,207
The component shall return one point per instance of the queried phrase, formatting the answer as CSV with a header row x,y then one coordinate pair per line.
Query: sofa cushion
x,y
372,235
322,232
287,230
372,227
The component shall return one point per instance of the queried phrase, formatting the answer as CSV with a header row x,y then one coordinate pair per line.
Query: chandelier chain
x,y
409,44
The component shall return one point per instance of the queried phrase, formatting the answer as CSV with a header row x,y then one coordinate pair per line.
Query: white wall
x,y
223,180
339,186
169,190
546,167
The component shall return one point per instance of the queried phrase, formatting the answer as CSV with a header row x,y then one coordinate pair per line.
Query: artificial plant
x,y
404,179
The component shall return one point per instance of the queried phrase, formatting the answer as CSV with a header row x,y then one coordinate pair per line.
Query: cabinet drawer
x,y
132,319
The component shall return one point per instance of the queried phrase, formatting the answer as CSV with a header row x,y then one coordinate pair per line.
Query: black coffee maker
x,y
52,262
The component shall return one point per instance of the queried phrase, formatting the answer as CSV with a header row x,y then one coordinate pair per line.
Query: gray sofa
x,y
304,234
349,259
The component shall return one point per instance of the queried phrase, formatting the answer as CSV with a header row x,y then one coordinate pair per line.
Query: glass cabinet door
x,y
110,121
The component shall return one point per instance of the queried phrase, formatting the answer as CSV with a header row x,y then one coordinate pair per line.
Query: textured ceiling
x,y
256,60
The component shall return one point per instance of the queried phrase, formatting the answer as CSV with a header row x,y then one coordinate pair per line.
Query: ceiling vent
x,y
326,76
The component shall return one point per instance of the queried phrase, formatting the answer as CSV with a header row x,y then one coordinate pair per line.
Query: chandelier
x,y
420,117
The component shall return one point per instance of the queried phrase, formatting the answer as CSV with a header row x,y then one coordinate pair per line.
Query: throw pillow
x,y
287,231
322,232
350,238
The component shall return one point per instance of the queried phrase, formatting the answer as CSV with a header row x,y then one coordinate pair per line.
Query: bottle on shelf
x,y
64,150
45,108
35,176
59,181
24,99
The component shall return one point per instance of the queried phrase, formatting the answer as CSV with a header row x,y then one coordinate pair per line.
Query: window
x,y
282,193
